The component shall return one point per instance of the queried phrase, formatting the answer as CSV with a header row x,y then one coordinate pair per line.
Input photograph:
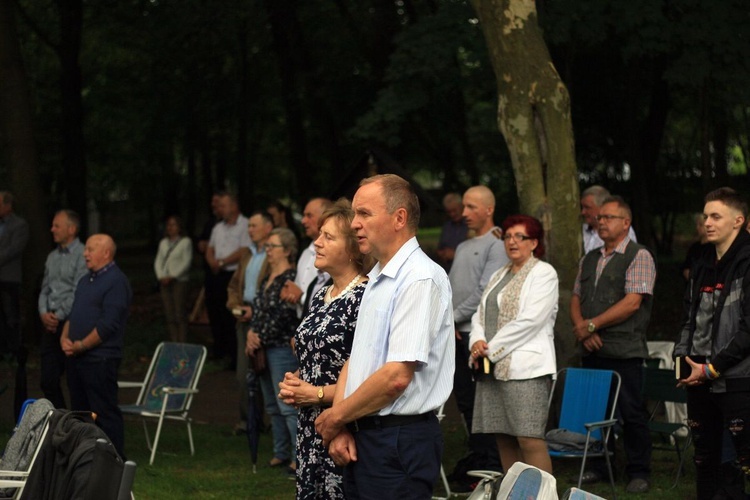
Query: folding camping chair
x,y
32,442
168,389
589,399
659,386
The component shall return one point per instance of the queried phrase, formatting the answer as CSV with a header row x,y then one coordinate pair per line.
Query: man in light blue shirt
x,y
241,291
402,362
65,266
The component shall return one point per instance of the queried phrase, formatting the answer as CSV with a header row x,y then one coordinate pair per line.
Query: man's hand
x,y
290,292
593,343
247,314
581,330
328,425
166,280
697,377
50,321
67,346
343,449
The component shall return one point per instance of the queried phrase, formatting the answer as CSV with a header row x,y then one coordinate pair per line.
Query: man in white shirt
x,y
296,291
229,242
402,361
591,201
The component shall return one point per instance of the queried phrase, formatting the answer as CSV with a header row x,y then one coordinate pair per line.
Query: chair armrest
x,y
177,390
13,474
12,483
598,425
129,385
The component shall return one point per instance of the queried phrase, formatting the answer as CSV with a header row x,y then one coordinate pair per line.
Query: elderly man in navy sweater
x,y
92,338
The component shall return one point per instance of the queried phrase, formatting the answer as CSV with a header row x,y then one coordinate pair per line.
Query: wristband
x,y
712,371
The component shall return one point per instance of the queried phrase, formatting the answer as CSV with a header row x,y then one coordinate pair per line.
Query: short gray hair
x,y
599,194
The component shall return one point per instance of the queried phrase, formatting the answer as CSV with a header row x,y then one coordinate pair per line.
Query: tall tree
x,y
16,129
533,115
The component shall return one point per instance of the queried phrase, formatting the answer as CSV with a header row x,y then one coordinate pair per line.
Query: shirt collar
x,y
620,248
391,269
70,247
96,274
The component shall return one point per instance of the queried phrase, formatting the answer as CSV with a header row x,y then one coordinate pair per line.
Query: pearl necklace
x,y
328,298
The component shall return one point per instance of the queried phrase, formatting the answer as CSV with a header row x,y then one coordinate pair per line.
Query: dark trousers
x,y
709,416
52,359
222,321
10,318
631,411
464,388
395,462
93,387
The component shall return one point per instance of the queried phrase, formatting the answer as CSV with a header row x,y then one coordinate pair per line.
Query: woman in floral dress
x,y
272,326
323,342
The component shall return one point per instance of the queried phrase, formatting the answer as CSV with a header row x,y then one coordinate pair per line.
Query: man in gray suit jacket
x,y
14,233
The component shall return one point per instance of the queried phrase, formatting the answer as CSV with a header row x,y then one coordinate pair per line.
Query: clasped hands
x,y
296,392
590,341
340,442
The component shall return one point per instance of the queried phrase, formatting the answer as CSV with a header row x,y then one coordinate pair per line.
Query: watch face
x,y
591,328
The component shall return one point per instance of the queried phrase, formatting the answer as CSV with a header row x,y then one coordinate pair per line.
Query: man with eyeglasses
x,y
591,201
476,260
241,292
610,310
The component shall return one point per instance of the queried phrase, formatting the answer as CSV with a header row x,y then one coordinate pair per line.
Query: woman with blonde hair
x,y
323,341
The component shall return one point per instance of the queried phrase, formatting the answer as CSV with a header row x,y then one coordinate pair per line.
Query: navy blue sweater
x,y
102,301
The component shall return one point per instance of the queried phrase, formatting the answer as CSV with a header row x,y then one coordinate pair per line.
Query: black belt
x,y
383,421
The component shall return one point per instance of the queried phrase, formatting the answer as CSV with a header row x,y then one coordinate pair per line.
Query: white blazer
x,y
529,337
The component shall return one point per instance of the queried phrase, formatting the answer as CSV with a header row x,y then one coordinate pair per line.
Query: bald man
x,y
476,260
92,337
308,279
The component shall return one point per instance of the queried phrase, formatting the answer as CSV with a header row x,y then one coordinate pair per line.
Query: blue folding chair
x,y
589,398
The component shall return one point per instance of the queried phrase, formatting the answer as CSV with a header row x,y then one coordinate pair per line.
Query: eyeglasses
x,y
608,218
516,237
269,246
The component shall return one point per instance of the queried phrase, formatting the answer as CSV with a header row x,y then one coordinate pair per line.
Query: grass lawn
x,y
221,467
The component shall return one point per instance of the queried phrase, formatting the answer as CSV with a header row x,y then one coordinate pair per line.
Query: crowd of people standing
x,y
359,335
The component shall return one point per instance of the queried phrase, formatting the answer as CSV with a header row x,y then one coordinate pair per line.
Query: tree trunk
x,y
73,145
534,118
16,128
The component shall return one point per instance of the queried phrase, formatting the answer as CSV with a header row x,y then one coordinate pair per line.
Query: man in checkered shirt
x,y
610,309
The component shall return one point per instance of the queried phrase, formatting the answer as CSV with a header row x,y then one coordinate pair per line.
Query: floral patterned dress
x,y
324,342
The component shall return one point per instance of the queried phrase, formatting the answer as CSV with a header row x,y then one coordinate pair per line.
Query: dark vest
x,y
623,340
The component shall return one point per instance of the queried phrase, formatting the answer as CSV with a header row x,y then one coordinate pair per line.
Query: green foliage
x,y
182,96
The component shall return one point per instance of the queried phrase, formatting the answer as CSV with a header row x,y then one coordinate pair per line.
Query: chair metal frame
x,y
590,411
181,414
17,479
659,386
440,414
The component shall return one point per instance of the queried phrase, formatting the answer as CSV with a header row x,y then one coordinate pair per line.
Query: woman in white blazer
x,y
513,328
172,268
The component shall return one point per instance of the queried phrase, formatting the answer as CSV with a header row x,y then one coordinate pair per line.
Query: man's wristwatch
x,y
592,327
320,394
